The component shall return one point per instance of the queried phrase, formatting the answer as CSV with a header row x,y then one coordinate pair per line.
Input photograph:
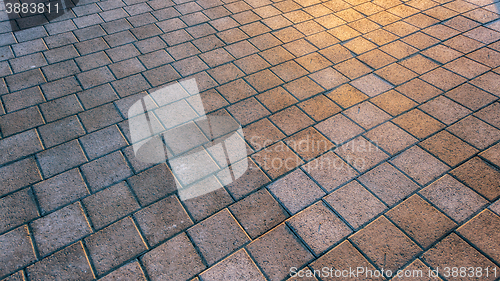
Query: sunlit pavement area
x,y
372,130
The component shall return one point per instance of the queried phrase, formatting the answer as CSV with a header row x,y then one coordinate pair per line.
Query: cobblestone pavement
x,y
402,98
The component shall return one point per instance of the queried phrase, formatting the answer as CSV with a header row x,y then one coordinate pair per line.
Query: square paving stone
x,y
389,184
238,266
475,132
110,204
330,171
418,123
313,62
453,198
376,59
289,70
361,154
263,80
60,190
319,227
483,34
495,207
393,102
441,53
418,90
276,55
153,184
483,232
258,213
385,244
420,220
396,74
398,49
480,176
463,44
352,68
17,250
175,259
162,219
470,96
355,204
131,271
419,64
250,181
277,159
490,114
296,191
103,142
303,88
278,251
419,165
218,236
492,154
448,148
262,134
276,99
236,90
114,245
319,107
390,138
70,263
309,143
486,56
443,79
21,120
339,129
107,170
18,175
205,205
343,257
466,67
337,53
19,145
445,110
247,111
346,95
367,115
60,228
328,78
455,252
16,209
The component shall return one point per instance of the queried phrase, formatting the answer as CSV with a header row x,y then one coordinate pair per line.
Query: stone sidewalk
x,y
372,129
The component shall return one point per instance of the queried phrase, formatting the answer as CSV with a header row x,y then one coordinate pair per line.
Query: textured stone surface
x,y
277,251
175,259
70,263
114,245
371,130
60,228
218,236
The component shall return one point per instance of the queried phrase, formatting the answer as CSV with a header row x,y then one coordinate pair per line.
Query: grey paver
x,y
60,228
